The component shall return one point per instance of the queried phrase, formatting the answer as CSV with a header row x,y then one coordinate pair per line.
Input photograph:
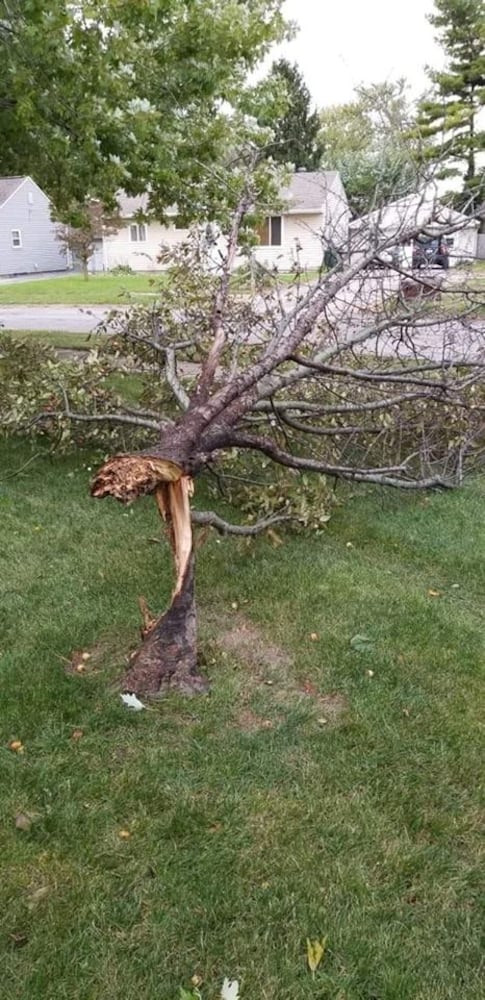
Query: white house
x,y
394,222
315,218
28,242
136,244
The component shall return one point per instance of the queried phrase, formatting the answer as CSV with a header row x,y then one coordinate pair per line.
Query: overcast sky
x,y
342,43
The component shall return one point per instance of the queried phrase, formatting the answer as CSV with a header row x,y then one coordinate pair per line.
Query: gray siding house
x,y
28,243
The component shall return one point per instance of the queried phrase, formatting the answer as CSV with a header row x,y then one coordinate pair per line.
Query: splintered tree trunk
x,y
167,657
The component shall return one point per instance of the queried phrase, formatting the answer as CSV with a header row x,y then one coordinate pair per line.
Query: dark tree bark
x,y
168,654
167,657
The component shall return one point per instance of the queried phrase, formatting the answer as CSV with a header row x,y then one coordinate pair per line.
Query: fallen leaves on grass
x,y
37,896
315,950
435,593
23,822
131,701
124,834
78,662
362,643
77,734
230,989
18,939
16,746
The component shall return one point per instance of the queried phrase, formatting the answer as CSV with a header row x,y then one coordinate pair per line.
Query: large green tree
x,y
364,140
450,115
295,126
95,96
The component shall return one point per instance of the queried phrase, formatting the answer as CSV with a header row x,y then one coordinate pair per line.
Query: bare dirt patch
x,y
85,662
332,706
245,641
249,722
270,666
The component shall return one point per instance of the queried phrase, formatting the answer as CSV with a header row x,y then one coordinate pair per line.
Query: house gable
x,y
28,243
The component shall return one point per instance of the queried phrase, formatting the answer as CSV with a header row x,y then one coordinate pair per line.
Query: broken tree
x,y
339,376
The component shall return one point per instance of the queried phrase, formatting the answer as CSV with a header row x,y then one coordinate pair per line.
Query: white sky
x,y
342,43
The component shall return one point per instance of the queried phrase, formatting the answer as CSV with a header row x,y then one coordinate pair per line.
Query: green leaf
x,y
362,644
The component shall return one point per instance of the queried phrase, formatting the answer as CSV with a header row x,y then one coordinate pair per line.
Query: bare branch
x,y
172,378
111,418
209,367
211,519
271,449
313,410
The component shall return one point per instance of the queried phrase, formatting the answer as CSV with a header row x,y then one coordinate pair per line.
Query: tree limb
x,y
211,519
381,474
210,364
173,380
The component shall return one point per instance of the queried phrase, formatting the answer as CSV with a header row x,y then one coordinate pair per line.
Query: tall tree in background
x,y
450,116
95,97
87,226
296,128
366,141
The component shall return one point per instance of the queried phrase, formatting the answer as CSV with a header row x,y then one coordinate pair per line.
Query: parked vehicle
x,y
430,253
389,258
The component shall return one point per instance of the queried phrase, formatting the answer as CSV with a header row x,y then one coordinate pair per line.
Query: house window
x,y
16,238
270,232
138,232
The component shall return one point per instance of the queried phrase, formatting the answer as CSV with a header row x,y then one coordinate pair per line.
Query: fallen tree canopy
x,y
337,374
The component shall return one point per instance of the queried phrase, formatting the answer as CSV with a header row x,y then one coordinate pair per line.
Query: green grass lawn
x,y
56,338
321,790
103,289
99,289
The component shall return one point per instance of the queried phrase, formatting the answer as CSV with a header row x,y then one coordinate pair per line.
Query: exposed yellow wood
x,y
173,501
127,477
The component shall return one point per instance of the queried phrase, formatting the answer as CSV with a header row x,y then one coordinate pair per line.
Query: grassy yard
x,y
56,338
99,289
104,289
325,788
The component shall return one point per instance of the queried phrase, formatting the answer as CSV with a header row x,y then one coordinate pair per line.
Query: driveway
x,y
71,319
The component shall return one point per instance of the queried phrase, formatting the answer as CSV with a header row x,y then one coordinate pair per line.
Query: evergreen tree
x,y
450,115
296,128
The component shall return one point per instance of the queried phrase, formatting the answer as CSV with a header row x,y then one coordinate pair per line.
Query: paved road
x,y
71,319
356,298
455,340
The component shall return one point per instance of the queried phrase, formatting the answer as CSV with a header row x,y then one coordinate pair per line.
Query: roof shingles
x,y
306,192
8,186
